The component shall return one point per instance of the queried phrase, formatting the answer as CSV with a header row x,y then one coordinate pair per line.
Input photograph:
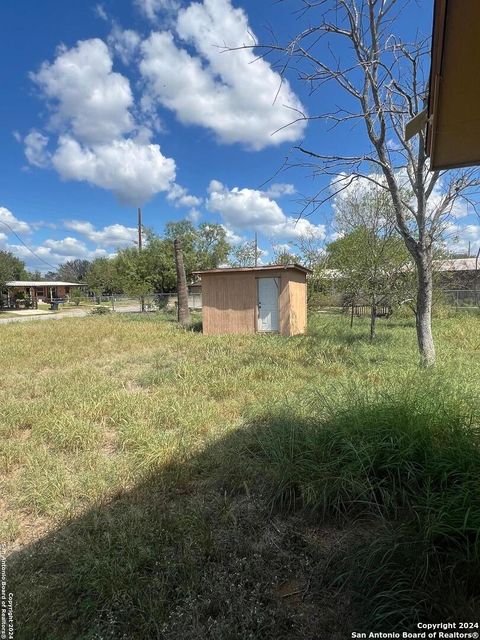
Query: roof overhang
x,y
275,267
453,130
39,283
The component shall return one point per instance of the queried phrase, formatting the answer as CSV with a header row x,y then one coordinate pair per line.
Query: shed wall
x,y
284,305
297,286
229,303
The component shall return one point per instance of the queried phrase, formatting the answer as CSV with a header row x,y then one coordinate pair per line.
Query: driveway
x,y
47,315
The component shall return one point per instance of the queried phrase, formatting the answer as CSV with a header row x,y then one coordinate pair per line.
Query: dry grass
x,y
121,436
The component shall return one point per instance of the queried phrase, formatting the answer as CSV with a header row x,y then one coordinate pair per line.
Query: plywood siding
x,y
297,287
229,303
284,306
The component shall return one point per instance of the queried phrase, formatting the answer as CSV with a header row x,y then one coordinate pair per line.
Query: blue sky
x,y
110,105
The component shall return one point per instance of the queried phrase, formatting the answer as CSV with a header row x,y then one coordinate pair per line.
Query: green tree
x,y
153,269
73,270
158,254
373,267
185,232
11,268
134,272
102,277
35,275
211,246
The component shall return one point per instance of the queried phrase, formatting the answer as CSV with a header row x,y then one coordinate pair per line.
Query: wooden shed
x,y
269,299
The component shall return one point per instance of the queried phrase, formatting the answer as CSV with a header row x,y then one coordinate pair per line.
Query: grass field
x,y
158,483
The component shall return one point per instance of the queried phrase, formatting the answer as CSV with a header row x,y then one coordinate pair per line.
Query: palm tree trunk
x,y
182,291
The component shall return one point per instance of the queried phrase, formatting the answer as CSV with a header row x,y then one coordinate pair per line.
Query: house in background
x,y
35,291
269,299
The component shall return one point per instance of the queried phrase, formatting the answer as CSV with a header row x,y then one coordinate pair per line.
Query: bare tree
x,y
245,255
384,84
311,248
182,291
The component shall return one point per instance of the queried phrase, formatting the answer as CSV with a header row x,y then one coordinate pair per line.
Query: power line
x,y
27,247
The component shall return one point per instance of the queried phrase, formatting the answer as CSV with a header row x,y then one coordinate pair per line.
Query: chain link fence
x,y
154,302
462,298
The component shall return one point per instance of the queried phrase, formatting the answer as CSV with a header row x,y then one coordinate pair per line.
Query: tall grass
x,y
408,462
132,508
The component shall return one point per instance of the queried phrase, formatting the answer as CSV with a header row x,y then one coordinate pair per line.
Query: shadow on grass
x,y
404,464
195,550
191,552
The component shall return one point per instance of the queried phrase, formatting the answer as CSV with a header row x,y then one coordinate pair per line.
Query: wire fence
x,y
153,302
462,298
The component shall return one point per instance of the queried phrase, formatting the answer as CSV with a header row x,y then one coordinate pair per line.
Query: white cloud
x,y
124,43
461,238
67,247
232,237
279,189
42,224
87,97
100,12
181,198
100,142
238,97
115,235
152,8
133,172
393,145
254,210
335,235
283,247
54,252
36,149
194,215
8,222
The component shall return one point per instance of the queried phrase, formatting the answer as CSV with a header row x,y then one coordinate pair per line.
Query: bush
x,y
77,297
100,310
408,463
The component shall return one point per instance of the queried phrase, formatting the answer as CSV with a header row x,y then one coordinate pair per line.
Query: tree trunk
x,y
373,319
182,291
424,311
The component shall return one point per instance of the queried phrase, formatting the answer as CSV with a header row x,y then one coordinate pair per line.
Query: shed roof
x,y
272,267
40,283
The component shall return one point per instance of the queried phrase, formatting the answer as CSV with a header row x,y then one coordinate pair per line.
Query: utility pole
x,y
139,222
256,249
139,211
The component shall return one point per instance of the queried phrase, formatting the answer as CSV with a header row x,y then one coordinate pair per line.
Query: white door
x,y
268,304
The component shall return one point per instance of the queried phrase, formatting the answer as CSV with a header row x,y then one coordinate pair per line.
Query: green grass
x,y
156,482
407,463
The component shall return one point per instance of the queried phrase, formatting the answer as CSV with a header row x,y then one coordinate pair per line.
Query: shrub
x,y
408,462
100,310
77,297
